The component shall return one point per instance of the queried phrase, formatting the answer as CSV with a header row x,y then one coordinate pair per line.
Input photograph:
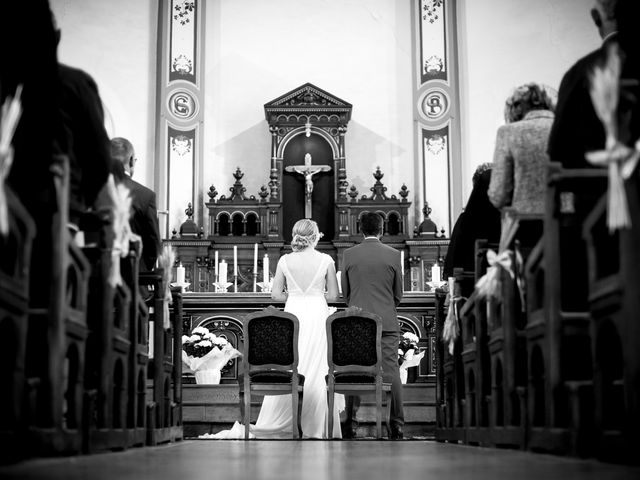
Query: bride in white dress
x,y
306,280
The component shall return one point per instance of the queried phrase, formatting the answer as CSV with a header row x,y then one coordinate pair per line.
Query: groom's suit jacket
x,y
372,280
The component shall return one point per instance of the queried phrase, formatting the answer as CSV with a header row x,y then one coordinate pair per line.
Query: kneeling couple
x,y
306,280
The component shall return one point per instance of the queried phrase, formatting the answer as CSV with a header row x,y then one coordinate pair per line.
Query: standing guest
x,y
372,280
520,158
576,129
144,218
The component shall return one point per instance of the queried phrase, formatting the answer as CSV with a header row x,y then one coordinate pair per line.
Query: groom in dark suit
x,y
372,280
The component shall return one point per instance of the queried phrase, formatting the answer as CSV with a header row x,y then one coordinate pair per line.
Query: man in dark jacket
x,y
144,217
372,280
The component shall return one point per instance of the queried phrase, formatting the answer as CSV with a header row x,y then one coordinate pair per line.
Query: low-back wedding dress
x,y
305,273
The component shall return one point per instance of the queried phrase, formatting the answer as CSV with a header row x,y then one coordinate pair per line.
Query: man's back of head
x,y
122,152
603,14
371,224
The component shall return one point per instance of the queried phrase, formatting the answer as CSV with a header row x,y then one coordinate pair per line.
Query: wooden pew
x,y
475,358
614,301
558,321
57,335
14,310
109,344
164,384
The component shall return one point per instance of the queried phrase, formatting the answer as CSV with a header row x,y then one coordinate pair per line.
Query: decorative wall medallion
x,y
181,144
183,105
435,104
436,144
182,65
433,44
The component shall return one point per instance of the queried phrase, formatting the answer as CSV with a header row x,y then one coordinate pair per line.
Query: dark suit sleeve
x,y
151,240
397,281
344,279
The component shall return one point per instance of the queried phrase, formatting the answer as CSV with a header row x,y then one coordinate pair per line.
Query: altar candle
x,y
402,261
255,258
235,259
435,273
223,272
215,263
180,274
265,263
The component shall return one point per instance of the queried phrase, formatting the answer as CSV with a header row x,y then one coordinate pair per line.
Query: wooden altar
x,y
209,408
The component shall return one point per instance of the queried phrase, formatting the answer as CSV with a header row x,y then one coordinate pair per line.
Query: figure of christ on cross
x,y
308,171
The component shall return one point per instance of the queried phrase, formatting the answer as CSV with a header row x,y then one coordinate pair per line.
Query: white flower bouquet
x,y
206,354
408,355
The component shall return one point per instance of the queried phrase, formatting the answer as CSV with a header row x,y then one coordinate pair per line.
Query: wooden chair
x,y
270,363
354,340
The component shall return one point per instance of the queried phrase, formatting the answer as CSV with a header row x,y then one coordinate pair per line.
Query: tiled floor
x,y
348,460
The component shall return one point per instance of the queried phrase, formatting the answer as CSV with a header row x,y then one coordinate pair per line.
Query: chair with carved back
x,y
354,342
14,310
270,362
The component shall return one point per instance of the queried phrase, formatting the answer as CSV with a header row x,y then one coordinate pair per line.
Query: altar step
x,y
212,408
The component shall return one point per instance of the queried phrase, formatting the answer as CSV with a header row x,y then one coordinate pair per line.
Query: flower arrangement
x,y
206,354
407,357
408,342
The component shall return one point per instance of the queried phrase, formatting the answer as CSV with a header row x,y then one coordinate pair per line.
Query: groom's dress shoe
x,y
396,433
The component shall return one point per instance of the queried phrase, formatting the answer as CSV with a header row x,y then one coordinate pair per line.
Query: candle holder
x,y
222,287
265,286
235,283
255,280
183,286
434,285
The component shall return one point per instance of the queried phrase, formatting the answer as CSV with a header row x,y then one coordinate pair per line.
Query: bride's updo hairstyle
x,y
305,234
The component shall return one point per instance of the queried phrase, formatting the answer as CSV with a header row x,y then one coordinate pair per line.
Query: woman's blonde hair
x,y
305,234
527,97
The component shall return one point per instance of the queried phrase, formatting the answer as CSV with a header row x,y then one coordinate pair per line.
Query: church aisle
x,y
337,460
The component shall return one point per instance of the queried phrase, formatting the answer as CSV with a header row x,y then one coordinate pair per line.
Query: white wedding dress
x,y
309,305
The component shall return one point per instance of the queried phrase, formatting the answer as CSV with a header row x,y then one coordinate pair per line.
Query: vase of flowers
x,y
206,354
409,354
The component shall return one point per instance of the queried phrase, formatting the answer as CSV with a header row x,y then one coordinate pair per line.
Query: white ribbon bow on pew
x,y
165,263
451,327
620,159
9,118
120,197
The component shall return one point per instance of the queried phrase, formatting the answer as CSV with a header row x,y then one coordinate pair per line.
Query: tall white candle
x,y
435,273
215,263
180,274
223,272
235,259
402,261
255,258
265,263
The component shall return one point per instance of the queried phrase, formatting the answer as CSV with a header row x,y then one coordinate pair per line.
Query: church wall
x,y
115,42
359,51
503,44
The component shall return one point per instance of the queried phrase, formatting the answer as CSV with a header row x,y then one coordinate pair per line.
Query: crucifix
x,y
308,171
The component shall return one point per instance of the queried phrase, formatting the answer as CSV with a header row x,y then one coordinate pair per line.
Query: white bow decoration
x,y
9,118
488,285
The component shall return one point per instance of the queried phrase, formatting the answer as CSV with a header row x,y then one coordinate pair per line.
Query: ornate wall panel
x,y
180,96
437,136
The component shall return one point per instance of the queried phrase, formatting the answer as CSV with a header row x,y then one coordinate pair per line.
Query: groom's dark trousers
x,y
372,280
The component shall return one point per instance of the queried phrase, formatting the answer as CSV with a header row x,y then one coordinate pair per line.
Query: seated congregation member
x,y
479,220
576,129
305,279
520,158
144,215
86,140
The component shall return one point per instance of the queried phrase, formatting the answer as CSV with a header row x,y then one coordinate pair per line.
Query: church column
x,y
437,112
180,111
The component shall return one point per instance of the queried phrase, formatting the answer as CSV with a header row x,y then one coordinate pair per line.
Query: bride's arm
x,y
277,290
332,293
